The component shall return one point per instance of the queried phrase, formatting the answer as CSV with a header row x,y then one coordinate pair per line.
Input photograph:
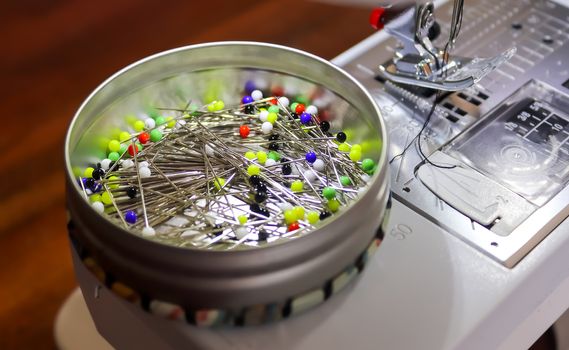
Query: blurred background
x,y
54,53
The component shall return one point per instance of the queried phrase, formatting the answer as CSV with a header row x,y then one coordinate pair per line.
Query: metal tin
x,y
229,280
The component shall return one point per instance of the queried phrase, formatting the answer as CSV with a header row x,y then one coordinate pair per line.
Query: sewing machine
x,y
477,250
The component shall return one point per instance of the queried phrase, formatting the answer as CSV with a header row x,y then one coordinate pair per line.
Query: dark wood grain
x,y
56,52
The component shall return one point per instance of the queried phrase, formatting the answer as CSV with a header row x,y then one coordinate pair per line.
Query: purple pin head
x,y
305,118
310,157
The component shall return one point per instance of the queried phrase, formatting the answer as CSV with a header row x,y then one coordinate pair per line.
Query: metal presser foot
x,y
419,62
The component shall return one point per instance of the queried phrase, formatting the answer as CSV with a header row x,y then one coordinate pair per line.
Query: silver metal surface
x,y
474,194
542,54
463,72
418,62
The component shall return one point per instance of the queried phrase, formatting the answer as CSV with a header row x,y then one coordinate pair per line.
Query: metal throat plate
x,y
506,135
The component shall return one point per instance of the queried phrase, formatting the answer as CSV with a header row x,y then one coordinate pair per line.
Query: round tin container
x,y
237,287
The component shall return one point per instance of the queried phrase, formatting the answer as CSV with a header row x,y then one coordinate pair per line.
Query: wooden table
x,y
56,52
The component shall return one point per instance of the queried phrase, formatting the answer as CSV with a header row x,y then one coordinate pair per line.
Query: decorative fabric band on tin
x,y
251,315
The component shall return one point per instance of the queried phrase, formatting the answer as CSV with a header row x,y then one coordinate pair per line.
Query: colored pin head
x,y
305,118
310,157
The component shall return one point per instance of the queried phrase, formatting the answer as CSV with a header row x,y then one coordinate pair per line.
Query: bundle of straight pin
x,y
227,177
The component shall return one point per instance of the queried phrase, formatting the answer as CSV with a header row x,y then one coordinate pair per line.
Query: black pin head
x,y
131,192
341,137
324,125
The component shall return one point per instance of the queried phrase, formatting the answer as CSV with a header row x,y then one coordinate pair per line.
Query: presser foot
x,y
458,74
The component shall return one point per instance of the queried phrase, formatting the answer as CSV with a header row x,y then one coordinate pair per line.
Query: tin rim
x,y
229,264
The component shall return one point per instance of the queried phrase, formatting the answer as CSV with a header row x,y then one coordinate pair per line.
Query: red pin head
x,y
244,131
376,19
144,138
